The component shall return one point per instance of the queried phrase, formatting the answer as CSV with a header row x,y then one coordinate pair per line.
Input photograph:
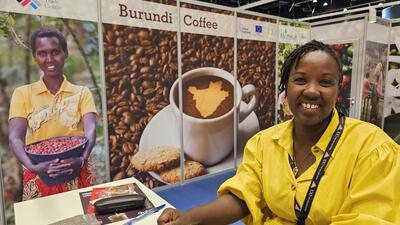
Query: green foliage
x,y
69,68
9,208
284,50
99,130
6,21
393,66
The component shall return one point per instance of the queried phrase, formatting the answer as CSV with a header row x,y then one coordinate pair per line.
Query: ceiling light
x,y
380,4
345,9
325,4
315,1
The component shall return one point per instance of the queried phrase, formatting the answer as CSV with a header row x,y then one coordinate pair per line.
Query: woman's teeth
x,y
309,106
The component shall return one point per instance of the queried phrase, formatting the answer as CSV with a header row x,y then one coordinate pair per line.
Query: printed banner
x,y
140,67
294,33
373,88
256,66
208,95
140,13
344,52
256,30
284,113
392,92
291,36
379,32
207,23
73,45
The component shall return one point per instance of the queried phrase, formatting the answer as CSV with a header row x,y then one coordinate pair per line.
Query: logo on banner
x,y
34,4
258,29
244,29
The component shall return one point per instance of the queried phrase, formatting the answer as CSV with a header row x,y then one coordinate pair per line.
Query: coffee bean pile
x,y
256,65
206,51
140,67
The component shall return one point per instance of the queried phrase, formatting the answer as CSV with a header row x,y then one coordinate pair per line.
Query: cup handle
x,y
248,90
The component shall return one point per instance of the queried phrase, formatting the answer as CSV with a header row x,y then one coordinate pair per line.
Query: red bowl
x,y
38,155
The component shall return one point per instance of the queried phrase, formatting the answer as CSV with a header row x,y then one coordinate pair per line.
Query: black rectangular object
x,y
119,203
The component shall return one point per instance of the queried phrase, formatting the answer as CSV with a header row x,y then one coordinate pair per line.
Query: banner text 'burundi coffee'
x,y
19,68
140,59
291,36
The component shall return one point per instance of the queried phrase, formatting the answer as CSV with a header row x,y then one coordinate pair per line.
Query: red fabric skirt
x,y
33,187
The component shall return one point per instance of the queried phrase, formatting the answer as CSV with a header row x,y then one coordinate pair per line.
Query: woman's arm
x,y
373,196
89,126
17,130
225,209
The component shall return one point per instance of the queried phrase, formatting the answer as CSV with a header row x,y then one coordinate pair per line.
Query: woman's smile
x,y
310,107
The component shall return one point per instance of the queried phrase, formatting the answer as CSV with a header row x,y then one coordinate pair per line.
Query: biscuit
x,y
191,169
156,158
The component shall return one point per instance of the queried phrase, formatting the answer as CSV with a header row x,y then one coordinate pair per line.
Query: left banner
x,y
50,92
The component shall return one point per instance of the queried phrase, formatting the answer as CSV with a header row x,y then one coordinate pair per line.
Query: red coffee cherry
x,y
56,145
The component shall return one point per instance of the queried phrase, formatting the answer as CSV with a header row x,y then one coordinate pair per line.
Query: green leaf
x,y
11,21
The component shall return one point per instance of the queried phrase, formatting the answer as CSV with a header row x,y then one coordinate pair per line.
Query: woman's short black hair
x,y
293,59
47,32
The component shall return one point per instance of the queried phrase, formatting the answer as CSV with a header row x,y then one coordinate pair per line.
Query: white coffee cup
x,y
208,141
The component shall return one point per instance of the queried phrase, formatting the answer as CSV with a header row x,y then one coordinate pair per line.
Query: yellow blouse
x,y
51,115
361,184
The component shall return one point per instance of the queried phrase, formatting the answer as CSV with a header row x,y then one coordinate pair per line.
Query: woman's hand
x,y
73,164
213,213
51,169
174,217
58,167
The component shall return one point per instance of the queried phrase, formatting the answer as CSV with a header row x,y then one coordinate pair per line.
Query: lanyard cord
x,y
302,213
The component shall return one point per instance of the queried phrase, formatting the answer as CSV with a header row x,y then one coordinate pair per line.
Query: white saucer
x,y
162,130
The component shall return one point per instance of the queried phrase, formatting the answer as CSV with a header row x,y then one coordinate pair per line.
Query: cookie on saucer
x,y
156,158
192,169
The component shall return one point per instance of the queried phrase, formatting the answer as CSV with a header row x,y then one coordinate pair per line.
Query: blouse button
x,y
293,187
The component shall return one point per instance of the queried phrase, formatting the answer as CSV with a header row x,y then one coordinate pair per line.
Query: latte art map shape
x,y
207,100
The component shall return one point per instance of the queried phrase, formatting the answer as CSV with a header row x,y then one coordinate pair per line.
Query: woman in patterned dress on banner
x,y
51,107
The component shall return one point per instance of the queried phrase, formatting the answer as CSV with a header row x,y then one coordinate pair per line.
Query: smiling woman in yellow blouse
x,y
51,107
318,168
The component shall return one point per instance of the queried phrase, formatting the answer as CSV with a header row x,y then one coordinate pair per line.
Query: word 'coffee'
x,y
207,97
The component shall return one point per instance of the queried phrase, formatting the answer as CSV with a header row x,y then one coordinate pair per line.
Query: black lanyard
x,y
302,213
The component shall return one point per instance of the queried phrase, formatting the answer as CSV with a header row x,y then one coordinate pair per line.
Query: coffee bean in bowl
x,y
56,148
